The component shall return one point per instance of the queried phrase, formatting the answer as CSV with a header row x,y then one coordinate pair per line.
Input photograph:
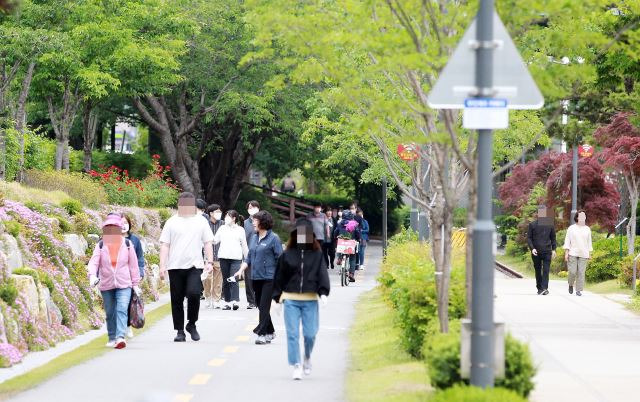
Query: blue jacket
x,y
365,230
137,246
263,255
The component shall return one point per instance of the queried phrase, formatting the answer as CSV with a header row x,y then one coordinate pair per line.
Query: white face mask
x,y
125,228
228,220
253,211
217,215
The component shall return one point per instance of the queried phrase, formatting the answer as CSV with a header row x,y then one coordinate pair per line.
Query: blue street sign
x,y
485,103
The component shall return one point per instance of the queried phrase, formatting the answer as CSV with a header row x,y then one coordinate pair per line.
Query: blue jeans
x,y
363,247
294,312
116,307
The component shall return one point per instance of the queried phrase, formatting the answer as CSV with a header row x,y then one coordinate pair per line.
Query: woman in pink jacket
x,y
114,266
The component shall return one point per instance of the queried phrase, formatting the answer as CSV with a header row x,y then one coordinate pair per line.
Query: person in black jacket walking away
x,y
301,278
541,238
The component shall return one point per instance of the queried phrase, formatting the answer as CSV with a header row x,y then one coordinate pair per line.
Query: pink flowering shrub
x,y
9,355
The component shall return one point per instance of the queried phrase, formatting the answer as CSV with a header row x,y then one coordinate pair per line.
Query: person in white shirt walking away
x,y
578,248
233,250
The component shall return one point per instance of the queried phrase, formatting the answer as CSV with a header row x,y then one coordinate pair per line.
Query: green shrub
x,y
47,281
137,164
13,227
77,185
34,206
83,224
153,259
442,356
8,291
164,214
605,260
408,282
461,393
626,271
460,217
72,206
558,264
28,271
405,235
64,224
563,274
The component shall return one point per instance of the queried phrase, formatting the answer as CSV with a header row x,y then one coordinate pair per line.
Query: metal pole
x,y
413,217
574,184
482,327
384,215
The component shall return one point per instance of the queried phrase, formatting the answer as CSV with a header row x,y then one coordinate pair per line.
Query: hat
x,y
113,220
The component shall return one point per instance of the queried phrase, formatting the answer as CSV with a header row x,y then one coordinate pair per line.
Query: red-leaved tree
x,y
620,141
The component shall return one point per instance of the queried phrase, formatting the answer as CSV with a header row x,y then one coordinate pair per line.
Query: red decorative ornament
x,y
407,152
585,151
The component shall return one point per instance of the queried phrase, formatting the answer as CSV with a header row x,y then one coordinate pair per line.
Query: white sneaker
x,y
297,372
217,304
261,340
120,343
209,303
129,332
110,344
362,267
307,366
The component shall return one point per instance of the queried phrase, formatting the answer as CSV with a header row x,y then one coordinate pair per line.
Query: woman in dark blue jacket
x,y
264,250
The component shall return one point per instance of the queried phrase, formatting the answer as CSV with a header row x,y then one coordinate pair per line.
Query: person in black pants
x,y
329,244
265,248
541,239
183,237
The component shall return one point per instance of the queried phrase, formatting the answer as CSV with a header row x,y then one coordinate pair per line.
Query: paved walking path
x,y
586,348
225,365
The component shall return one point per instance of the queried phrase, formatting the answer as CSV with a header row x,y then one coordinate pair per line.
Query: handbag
x,y
136,311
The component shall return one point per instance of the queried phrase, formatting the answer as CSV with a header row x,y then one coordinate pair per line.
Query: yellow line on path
x,y
230,349
183,397
242,338
217,362
200,379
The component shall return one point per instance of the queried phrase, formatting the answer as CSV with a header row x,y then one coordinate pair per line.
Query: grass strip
x,y
380,370
70,359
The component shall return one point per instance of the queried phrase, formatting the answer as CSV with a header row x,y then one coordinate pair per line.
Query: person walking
x,y
264,250
320,223
114,267
348,228
233,250
353,208
329,245
577,251
365,238
137,246
541,239
288,185
253,207
181,242
213,281
301,279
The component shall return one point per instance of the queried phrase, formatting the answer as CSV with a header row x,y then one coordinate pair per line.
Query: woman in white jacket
x,y
233,249
577,251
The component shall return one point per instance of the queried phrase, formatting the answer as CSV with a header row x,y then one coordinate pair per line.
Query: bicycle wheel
x,y
346,272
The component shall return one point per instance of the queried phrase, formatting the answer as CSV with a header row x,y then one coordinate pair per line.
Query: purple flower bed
x,y
9,355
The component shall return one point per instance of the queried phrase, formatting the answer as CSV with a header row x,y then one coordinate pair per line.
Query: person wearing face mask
x,y
181,242
137,246
113,267
233,250
301,279
252,208
578,248
213,281
329,245
264,250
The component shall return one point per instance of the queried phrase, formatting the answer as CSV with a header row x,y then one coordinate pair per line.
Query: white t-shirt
x,y
186,238
578,241
233,242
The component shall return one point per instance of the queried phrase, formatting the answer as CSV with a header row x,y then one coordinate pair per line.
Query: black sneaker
x,y
226,307
546,292
570,289
351,278
251,306
540,291
180,337
236,306
578,293
191,329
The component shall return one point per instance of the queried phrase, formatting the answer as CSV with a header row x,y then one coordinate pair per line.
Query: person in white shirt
x,y
183,237
233,250
577,251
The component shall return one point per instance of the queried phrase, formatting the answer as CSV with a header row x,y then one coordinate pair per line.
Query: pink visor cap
x,y
113,220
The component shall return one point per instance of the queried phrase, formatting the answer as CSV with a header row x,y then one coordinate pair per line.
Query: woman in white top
x,y
577,251
233,249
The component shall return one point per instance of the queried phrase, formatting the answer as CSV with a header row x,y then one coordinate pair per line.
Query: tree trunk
x,y
89,124
631,226
441,250
471,218
21,117
113,137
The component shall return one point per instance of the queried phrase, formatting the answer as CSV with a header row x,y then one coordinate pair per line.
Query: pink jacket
x,y
126,274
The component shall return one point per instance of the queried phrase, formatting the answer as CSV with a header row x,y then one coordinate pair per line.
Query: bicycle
x,y
345,248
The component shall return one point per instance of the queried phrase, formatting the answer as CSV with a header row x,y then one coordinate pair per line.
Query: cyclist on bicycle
x,y
348,228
